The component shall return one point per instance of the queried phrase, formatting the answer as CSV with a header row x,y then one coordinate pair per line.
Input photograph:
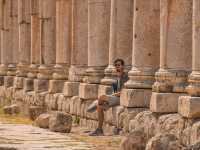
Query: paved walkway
x,y
26,137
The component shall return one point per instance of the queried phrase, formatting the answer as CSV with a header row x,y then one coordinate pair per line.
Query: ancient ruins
x,y
58,55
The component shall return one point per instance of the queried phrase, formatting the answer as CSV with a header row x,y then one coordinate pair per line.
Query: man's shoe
x,y
97,132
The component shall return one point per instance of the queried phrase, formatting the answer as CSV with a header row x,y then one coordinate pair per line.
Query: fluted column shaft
x,y
176,44
120,45
194,79
145,55
47,14
79,53
98,39
24,21
63,38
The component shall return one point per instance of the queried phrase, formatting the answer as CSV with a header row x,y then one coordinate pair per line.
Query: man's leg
x,y
100,116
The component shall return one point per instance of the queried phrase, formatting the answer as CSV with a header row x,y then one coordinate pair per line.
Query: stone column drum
x,y
175,55
79,51
35,46
8,65
63,45
47,14
24,24
98,45
145,54
188,106
120,43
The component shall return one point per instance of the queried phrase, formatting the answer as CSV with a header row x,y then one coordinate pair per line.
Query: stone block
x,y
1,80
19,82
189,106
164,102
8,81
105,90
28,85
56,86
135,97
88,91
71,89
41,85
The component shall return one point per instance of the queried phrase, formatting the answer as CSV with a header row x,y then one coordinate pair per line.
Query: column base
x,y
28,84
19,82
56,86
135,97
1,80
189,106
41,85
71,89
164,102
8,81
88,91
105,90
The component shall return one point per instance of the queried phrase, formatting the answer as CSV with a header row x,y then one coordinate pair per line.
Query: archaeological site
x,y
57,55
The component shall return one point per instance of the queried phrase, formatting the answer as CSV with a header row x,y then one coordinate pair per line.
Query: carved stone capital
x,y
3,69
45,72
61,72
170,81
94,75
140,78
77,73
33,71
22,70
194,84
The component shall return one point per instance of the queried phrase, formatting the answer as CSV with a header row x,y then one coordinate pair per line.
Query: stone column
x,y
79,52
121,35
188,106
47,14
35,46
98,45
145,54
8,41
24,25
63,45
175,56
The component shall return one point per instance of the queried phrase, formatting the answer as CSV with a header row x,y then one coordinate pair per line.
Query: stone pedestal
x,y
88,91
19,82
8,81
56,86
1,80
105,90
135,97
164,102
28,84
41,85
189,106
71,89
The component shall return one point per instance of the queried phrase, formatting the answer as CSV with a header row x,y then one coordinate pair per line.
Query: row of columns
x,y
54,45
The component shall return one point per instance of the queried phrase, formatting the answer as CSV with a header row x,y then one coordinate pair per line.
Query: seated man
x,y
107,101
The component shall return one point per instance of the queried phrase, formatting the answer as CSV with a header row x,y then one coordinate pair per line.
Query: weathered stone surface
x,y
71,89
42,121
12,109
56,86
164,142
41,85
136,140
164,102
145,120
189,106
135,97
8,81
35,111
60,122
88,91
28,85
18,82
105,90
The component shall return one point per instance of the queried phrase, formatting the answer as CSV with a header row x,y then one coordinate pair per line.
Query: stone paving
x,y
26,137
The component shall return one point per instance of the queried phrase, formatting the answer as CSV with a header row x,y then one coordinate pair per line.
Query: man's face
x,y
118,66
